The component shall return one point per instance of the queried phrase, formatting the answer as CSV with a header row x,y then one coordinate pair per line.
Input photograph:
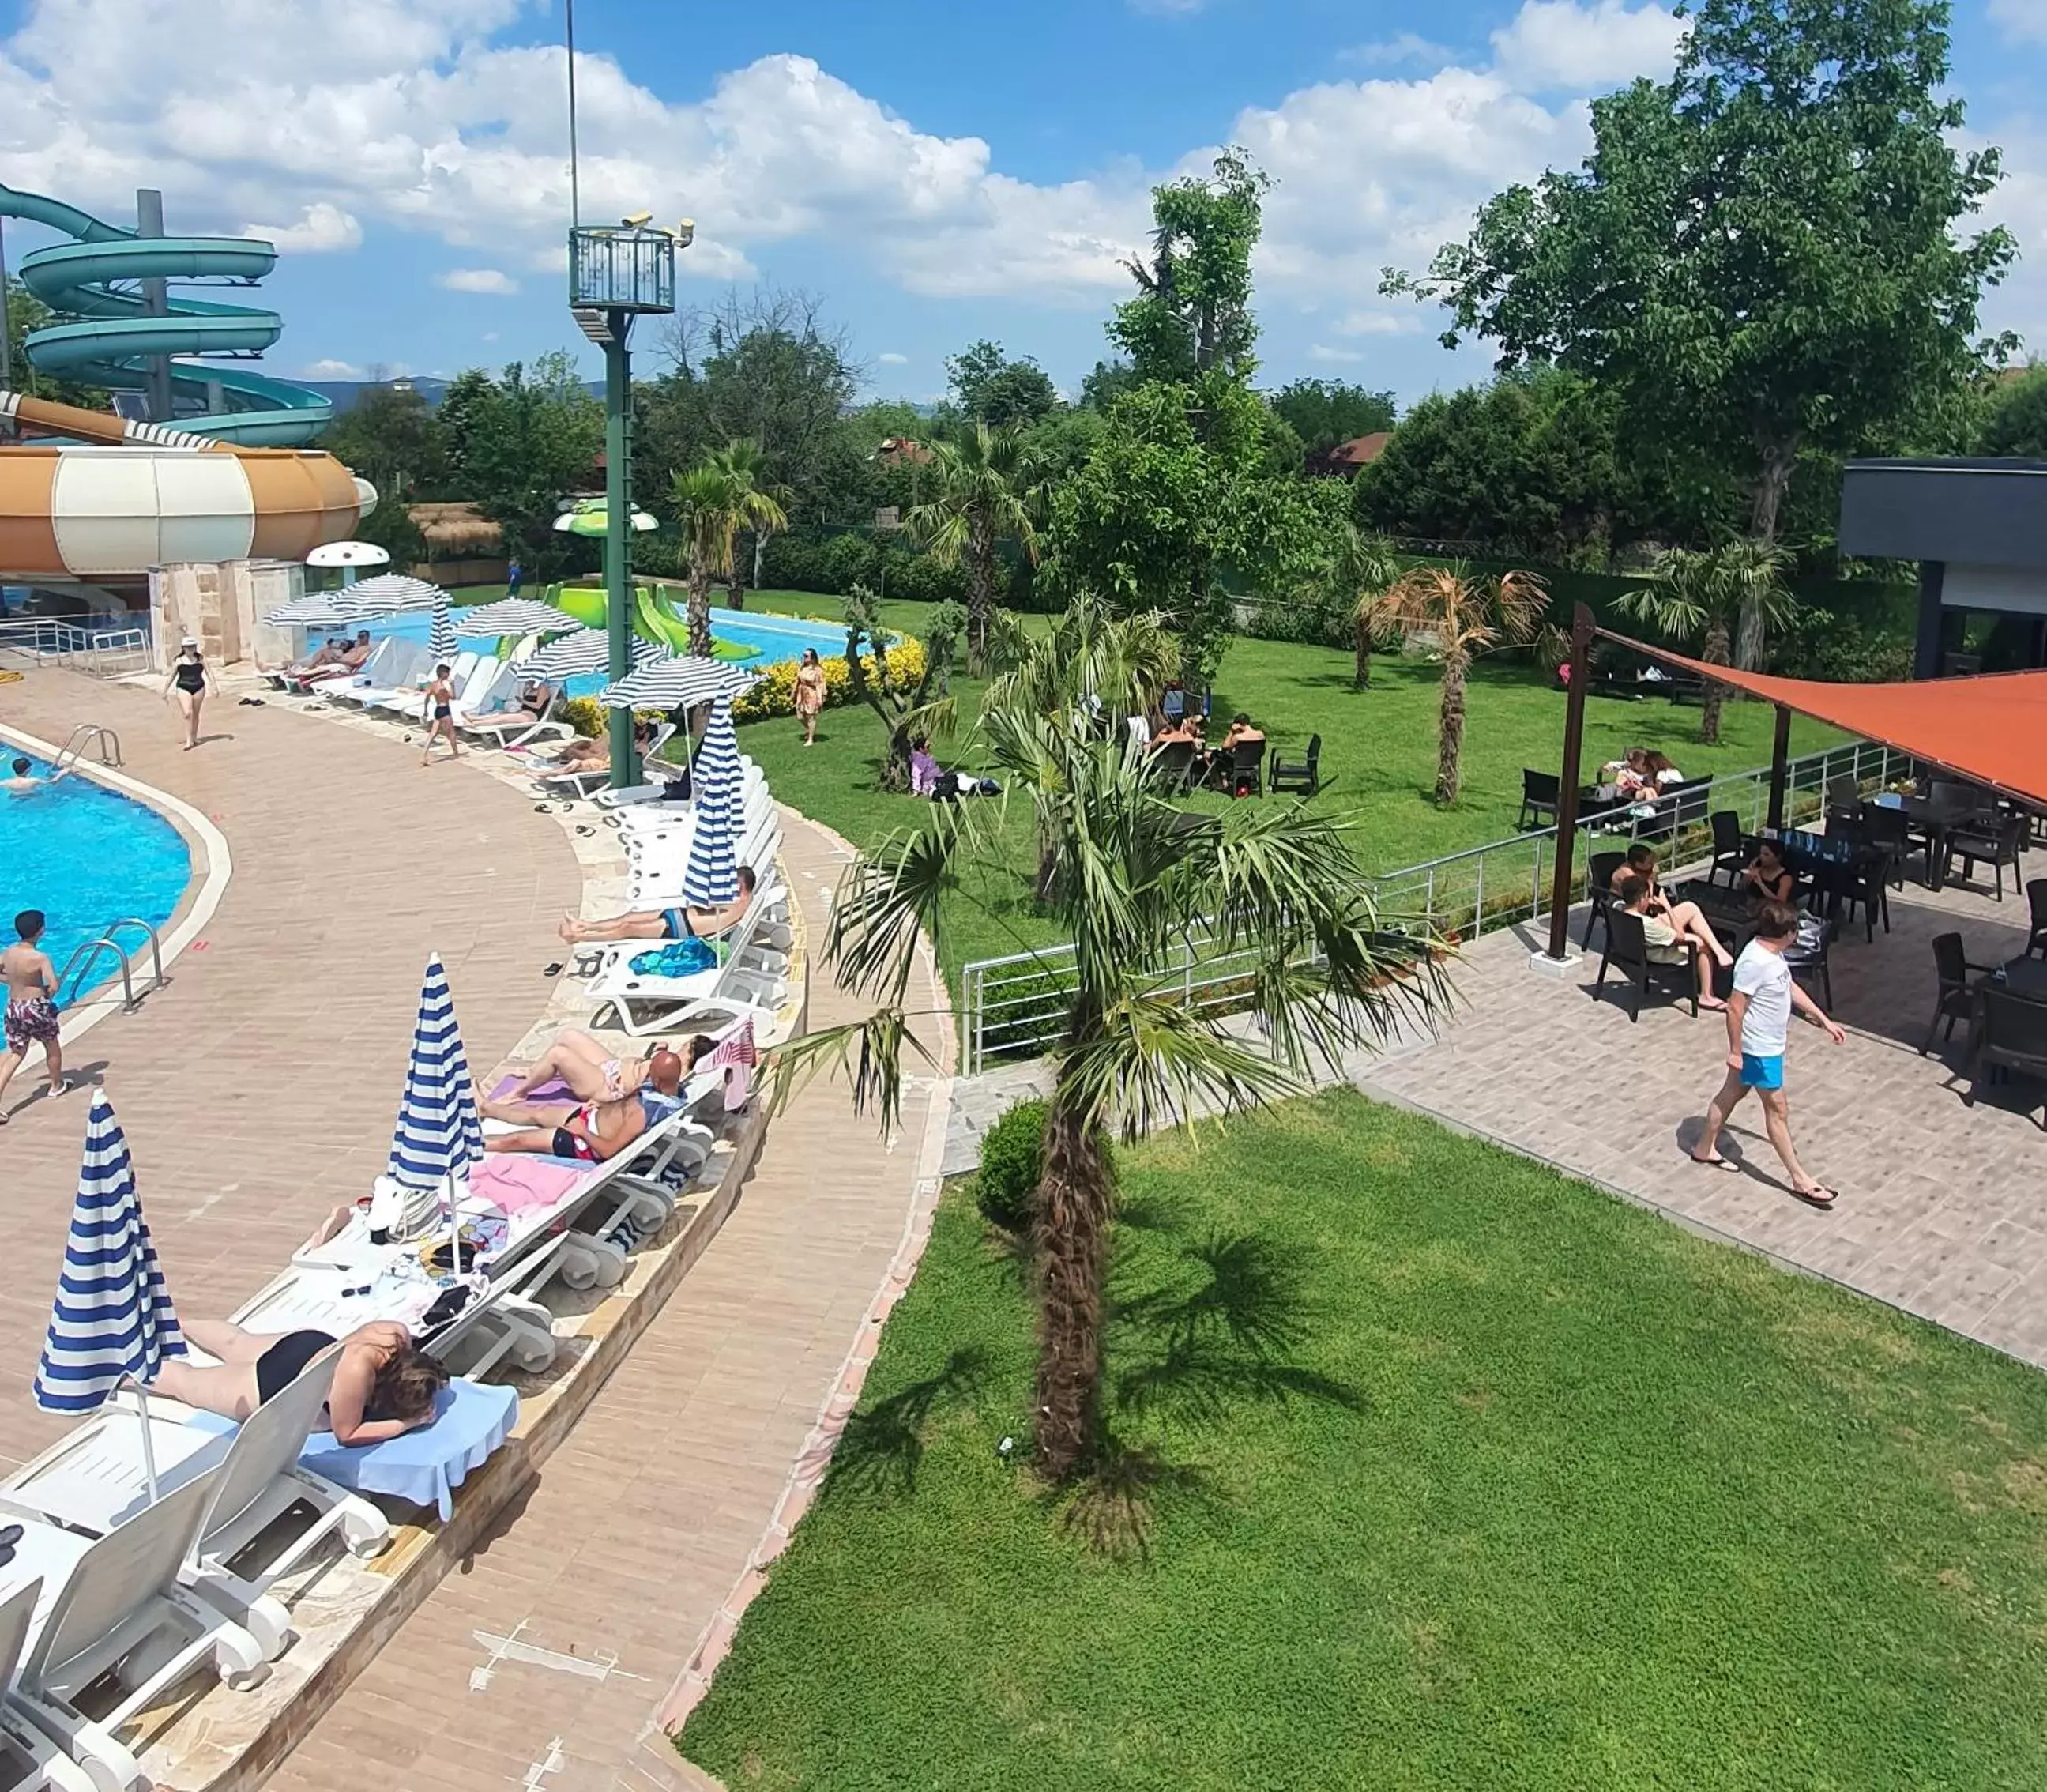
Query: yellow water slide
x,y
114,497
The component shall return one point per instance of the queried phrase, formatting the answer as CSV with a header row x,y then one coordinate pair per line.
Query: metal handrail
x,y
155,945
88,953
51,639
82,736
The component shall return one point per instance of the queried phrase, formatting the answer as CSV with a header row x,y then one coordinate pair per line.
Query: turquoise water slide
x,y
107,335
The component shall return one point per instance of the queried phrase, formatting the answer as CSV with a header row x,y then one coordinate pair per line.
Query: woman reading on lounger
x,y
698,921
384,1384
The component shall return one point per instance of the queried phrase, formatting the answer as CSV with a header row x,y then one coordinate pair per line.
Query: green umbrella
x,y
590,517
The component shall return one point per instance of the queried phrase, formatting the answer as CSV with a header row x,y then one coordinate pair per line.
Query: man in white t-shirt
x,y
1758,1019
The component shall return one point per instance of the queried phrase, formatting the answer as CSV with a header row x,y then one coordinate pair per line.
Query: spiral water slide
x,y
100,496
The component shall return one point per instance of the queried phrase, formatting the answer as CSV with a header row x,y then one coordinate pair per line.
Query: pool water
x,y
86,855
762,641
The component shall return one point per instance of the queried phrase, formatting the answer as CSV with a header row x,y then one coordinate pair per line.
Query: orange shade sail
x,y
1991,729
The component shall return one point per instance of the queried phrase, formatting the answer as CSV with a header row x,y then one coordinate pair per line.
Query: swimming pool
x,y
762,641
87,856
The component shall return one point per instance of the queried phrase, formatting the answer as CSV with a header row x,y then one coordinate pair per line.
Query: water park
x,y
1047,1089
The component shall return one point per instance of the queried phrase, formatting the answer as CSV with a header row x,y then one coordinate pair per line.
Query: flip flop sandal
x,y
585,831
1716,1163
1820,1197
555,969
9,1537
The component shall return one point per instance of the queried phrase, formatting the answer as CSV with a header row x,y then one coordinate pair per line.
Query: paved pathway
x,y
259,1088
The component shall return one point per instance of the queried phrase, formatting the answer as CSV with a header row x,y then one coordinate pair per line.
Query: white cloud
x,y
490,336
2024,20
1168,8
1377,323
1391,51
1553,46
1346,357
478,279
331,370
321,229
890,358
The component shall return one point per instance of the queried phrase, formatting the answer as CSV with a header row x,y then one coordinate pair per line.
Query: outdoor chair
x,y
1306,777
1810,953
1864,884
1171,764
1730,849
1890,830
2036,899
1956,1000
1247,759
2009,1034
1627,951
1843,792
1986,842
1598,889
1540,793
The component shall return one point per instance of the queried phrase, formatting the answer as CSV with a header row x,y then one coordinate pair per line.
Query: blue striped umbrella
x,y
712,874
585,650
439,1134
513,616
678,682
440,636
113,1319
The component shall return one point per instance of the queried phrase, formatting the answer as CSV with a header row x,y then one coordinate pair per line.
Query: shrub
x,y
776,693
1012,1154
585,714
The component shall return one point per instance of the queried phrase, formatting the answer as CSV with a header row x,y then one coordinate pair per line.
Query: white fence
x,y
102,650
1015,1006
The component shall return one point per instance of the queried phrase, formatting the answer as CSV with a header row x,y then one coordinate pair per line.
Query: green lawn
x,y
1468,1476
1379,755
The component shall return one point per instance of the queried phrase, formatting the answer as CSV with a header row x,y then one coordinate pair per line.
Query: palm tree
x,y
744,459
1363,569
713,502
1141,878
1465,616
1704,596
983,492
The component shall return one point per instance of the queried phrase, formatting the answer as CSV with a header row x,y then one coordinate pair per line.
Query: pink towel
x,y
512,1184
553,1090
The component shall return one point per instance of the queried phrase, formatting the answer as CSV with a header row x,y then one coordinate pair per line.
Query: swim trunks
x,y
32,1020
574,1144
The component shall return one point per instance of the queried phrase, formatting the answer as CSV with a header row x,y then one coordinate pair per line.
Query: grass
x,y
1461,1474
1379,758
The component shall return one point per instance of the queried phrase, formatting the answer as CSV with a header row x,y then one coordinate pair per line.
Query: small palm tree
x,y
1464,615
1142,878
1693,596
713,502
1364,568
743,459
983,492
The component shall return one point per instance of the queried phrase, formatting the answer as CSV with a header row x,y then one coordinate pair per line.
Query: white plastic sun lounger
x,y
467,673
94,1481
661,873
487,721
399,675
29,1760
583,783
113,1604
389,663
750,985
640,819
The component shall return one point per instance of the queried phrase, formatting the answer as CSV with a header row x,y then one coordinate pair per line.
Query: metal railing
x,y
86,734
101,650
1015,1008
89,954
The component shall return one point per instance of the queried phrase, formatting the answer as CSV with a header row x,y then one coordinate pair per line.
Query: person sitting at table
x,y
1766,875
1666,930
1659,772
1183,728
1628,775
1640,862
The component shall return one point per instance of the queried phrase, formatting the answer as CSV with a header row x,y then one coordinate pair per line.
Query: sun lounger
x,y
520,725
399,676
30,1761
469,674
748,985
640,820
584,782
112,1606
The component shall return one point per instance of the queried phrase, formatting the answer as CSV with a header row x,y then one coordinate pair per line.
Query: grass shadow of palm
x,y
883,1445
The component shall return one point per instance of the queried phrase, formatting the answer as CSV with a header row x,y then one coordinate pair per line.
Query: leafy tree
x,y
747,466
1760,253
1698,596
714,502
1192,314
394,439
518,444
981,492
2014,419
993,389
1462,615
1323,412
926,707
1106,383
27,314
1275,882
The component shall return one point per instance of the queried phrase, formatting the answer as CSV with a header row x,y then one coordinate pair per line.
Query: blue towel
x,y
424,1466
679,958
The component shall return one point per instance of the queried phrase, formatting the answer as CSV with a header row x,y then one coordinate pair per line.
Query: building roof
x,y
455,525
1985,512
1362,450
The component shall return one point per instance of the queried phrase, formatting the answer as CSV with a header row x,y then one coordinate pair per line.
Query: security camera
x,y
686,233
636,219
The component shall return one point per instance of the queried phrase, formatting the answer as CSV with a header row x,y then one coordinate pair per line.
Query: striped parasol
x,y
439,1134
513,616
679,682
573,655
712,875
389,593
440,637
316,609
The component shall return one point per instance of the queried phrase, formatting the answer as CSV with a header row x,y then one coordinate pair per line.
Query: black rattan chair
x,y
1598,889
1730,850
1995,844
2036,899
1246,764
1628,952
1171,764
1956,1000
1540,793
1306,777
1810,955
2009,1034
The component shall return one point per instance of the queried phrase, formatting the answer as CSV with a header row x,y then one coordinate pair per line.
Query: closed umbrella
x,y
679,681
439,1136
440,637
577,654
113,1321
513,616
712,874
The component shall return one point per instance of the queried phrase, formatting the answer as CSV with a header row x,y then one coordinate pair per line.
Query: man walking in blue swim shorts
x,y
1758,1020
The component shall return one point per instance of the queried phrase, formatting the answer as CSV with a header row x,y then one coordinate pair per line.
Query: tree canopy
x,y
1192,314
992,388
1323,412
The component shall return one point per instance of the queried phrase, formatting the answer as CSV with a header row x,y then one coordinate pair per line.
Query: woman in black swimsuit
x,y
440,715
383,1385
190,677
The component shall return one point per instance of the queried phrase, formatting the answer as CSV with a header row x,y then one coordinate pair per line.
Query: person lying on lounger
x,y
593,1072
384,1384
586,754
698,921
589,1132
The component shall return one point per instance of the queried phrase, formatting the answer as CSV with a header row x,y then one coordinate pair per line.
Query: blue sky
x,y
934,172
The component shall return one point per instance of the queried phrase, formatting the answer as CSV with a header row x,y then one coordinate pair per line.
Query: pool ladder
x,y
86,734
88,954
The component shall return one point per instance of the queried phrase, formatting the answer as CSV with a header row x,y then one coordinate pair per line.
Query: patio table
x,y
1932,821
2026,977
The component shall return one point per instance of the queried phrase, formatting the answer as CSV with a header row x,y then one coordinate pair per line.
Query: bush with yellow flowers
x,y
776,693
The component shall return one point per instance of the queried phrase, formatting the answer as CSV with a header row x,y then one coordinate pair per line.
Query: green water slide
x,y
654,617
108,336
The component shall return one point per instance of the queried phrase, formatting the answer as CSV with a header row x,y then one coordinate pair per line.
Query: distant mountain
x,y
345,395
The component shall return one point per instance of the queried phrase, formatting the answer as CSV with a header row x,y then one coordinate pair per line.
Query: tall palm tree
x,y
1703,597
1465,616
1363,568
713,503
981,485
744,458
1141,877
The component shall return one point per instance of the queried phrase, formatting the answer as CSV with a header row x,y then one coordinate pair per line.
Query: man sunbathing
x,y
341,657
698,921
589,1132
592,1072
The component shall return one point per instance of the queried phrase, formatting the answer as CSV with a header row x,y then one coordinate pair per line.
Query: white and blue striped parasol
x,y
113,1319
712,875
389,593
513,616
316,609
440,636
573,655
439,1134
678,682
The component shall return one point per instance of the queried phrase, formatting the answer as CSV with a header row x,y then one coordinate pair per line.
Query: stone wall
x,y
220,604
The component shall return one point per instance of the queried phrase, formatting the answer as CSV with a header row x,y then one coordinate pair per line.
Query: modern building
x,y
1979,530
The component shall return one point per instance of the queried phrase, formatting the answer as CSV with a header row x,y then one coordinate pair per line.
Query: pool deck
x,y
258,1090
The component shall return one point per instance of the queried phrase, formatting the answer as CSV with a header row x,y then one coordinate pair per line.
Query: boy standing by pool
x,y
31,1017
1758,1022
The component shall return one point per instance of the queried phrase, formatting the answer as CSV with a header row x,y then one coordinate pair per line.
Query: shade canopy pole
x,y
1567,783
1780,762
